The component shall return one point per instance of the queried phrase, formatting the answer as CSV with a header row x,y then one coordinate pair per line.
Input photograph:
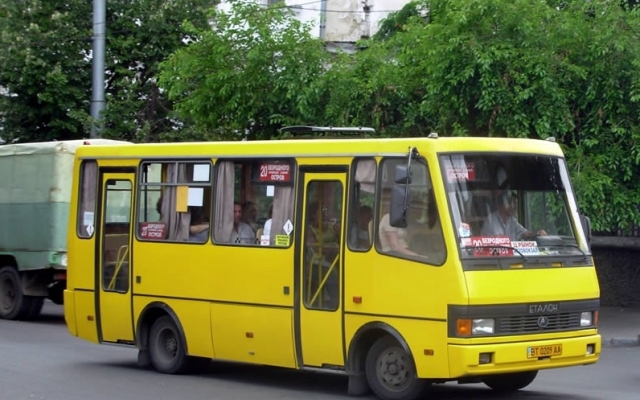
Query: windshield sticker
x,y
489,246
528,247
464,230
461,172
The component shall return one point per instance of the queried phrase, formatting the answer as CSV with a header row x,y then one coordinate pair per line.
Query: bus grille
x,y
533,324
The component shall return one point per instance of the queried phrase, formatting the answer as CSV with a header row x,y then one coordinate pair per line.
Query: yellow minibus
x,y
399,262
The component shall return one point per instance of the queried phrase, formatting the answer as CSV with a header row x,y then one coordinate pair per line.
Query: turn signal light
x,y
463,327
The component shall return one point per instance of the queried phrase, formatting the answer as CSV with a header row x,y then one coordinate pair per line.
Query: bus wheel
x,y
391,373
510,382
166,349
13,304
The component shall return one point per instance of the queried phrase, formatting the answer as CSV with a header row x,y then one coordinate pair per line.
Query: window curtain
x,y
223,221
177,223
283,208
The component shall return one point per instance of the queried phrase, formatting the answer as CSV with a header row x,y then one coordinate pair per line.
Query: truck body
x,y
35,187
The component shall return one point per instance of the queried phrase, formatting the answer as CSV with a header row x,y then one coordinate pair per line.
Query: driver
x,y
503,222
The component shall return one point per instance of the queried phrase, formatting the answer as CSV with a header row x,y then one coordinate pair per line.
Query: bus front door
x,y
114,273
319,322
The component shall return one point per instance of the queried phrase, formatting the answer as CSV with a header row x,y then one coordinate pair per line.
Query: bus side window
x,y
360,218
87,206
174,201
422,239
254,202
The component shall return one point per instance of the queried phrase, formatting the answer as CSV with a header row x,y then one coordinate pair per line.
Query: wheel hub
x,y
393,369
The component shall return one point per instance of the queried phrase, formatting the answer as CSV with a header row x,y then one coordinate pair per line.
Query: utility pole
x,y
97,81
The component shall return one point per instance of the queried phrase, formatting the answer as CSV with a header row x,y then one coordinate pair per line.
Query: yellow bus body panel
x,y
254,334
193,316
237,303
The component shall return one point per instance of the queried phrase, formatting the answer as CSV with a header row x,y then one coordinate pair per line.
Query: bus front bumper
x,y
484,359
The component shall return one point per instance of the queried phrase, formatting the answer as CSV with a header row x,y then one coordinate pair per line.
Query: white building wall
x,y
345,21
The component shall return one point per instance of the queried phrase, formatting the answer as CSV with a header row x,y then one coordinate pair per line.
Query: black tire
x,y
166,348
35,307
391,372
13,304
505,383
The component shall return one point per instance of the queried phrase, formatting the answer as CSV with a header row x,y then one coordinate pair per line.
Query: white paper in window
x,y
270,190
201,173
195,197
87,218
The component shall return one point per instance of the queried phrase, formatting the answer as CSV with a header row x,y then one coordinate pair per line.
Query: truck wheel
x,y
510,382
13,304
390,371
166,349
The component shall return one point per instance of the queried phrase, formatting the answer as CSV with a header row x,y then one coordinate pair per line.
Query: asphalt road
x,y
41,361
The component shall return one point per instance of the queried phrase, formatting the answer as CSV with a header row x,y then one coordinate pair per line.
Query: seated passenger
x,y
394,240
242,233
360,230
199,227
250,215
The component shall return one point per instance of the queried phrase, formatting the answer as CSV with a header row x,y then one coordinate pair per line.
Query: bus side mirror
x,y
402,175
586,227
397,212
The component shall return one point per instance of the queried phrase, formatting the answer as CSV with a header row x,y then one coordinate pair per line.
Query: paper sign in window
x,y
271,190
182,193
196,197
201,173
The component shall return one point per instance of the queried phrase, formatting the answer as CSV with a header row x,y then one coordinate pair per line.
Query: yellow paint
x,y
194,318
223,294
271,327
182,195
85,307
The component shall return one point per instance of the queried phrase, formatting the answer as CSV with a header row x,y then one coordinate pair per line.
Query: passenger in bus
x,y
502,222
319,232
323,249
360,230
199,226
395,240
242,233
250,215
267,225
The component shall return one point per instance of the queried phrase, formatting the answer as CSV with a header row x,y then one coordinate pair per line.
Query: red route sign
x,y
275,172
152,230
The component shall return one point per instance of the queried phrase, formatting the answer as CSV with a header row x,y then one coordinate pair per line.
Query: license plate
x,y
544,351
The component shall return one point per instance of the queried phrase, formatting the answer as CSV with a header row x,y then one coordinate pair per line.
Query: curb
x,y
621,342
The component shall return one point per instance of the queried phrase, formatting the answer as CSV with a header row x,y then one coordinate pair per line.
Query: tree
x,y
478,68
246,76
44,69
140,35
46,66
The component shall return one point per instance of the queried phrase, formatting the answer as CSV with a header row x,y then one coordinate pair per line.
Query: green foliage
x,y
44,69
478,68
244,77
140,36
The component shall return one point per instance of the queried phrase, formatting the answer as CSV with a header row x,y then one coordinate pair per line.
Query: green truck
x,y
35,187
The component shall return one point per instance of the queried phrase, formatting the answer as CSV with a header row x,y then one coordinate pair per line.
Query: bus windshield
x,y
512,205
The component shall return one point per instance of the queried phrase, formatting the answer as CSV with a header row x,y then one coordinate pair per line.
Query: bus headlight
x,y
482,326
63,260
586,318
